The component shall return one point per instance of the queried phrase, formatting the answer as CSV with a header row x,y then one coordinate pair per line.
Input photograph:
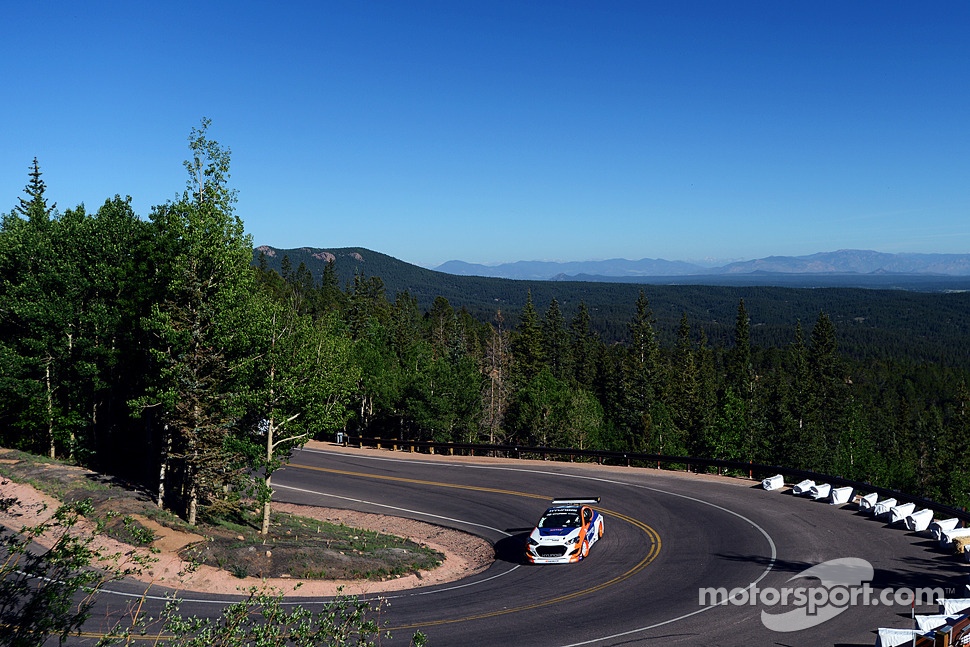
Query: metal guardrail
x,y
631,459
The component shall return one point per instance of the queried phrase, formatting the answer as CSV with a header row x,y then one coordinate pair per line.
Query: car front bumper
x,y
536,555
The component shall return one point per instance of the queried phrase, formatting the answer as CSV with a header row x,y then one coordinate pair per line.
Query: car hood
x,y
554,533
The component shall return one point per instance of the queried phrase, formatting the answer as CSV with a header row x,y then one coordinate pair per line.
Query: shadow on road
x,y
512,549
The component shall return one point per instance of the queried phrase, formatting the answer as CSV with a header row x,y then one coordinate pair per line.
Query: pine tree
x,y
527,344
584,346
684,400
441,325
496,391
332,298
286,268
644,354
367,305
741,375
797,444
34,207
555,342
829,378
37,314
642,371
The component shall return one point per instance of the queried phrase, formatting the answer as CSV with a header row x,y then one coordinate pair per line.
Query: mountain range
x,y
920,316
457,280
841,262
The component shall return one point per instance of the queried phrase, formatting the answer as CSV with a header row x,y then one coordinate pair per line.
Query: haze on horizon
x,y
505,131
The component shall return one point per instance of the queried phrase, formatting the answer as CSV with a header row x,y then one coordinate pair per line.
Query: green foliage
x,y
209,170
297,385
584,348
34,208
49,593
556,351
546,411
441,398
527,344
264,620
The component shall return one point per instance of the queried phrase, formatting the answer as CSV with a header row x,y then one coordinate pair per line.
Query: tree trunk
x,y
264,529
160,501
50,406
193,506
167,446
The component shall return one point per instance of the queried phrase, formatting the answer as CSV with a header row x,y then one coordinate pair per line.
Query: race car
x,y
565,532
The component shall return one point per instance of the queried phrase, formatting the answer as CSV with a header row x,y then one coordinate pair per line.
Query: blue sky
x,y
493,131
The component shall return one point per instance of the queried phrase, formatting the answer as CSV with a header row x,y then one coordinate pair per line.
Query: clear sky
x,y
493,131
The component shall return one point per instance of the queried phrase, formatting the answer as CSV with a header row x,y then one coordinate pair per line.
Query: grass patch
x,y
49,476
304,548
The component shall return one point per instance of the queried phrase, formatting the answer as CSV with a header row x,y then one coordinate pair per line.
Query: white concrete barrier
x,y
953,606
883,507
939,526
931,622
919,520
840,495
820,491
947,536
803,488
773,482
900,512
894,637
868,502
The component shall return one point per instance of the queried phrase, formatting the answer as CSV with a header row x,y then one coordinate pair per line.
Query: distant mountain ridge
x,y
845,261
845,269
548,270
923,317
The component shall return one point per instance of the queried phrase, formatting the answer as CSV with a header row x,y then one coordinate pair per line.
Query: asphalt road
x,y
668,535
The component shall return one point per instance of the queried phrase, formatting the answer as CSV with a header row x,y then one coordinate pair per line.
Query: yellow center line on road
x,y
401,479
655,544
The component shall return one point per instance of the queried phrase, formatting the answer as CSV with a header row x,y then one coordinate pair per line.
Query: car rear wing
x,y
579,501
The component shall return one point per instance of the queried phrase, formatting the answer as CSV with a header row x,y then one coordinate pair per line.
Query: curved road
x,y
668,535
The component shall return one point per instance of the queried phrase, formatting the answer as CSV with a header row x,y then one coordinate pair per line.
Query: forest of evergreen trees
x,y
153,349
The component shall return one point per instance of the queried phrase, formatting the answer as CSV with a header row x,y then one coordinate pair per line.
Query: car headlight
x,y
533,542
574,540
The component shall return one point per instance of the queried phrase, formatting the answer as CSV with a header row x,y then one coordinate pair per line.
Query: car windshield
x,y
559,520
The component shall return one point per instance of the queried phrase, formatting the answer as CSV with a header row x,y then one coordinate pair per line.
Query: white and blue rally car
x,y
565,532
